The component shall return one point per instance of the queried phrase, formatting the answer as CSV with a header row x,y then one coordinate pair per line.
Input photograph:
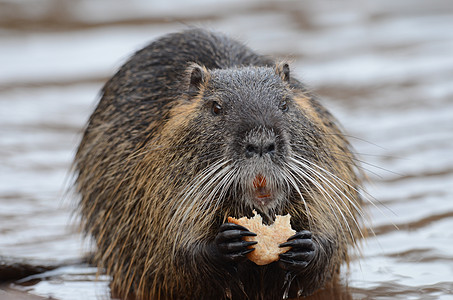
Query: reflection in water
x,y
335,290
383,68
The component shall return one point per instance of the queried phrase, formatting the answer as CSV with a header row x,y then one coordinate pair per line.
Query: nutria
x,y
181,135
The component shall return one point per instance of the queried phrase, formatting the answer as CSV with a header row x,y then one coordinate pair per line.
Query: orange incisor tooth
x,y
259,181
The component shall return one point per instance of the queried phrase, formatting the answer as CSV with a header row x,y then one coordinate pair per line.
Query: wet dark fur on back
x,y
182,132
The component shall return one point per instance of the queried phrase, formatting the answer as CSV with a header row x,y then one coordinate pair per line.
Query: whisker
x,y
336,178
214,187
294,184
349,158
192,198
335,189
305,176
365,195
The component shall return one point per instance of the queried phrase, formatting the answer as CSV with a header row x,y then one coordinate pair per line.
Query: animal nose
x,y
259,149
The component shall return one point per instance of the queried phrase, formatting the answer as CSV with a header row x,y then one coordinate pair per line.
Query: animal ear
x,y
198,76
282,70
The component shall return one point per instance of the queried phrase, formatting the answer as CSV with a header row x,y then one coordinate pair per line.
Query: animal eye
x,y
283,105
216,108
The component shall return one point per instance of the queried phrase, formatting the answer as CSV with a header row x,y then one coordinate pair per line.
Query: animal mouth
x,y
262,193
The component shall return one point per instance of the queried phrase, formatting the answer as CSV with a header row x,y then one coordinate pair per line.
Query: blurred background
x,y
383,68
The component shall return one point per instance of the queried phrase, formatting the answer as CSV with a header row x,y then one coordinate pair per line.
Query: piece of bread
x,y
268,237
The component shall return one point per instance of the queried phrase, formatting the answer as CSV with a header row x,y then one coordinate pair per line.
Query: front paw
x,y
303,251
230,245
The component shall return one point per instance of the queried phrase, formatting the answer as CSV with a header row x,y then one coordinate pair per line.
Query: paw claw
x,y
232,226
302,252
247,233
304,234
230,245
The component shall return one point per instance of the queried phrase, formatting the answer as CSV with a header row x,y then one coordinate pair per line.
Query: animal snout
x,y
252,149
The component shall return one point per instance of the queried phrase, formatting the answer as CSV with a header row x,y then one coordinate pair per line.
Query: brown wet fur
x,y
141,153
